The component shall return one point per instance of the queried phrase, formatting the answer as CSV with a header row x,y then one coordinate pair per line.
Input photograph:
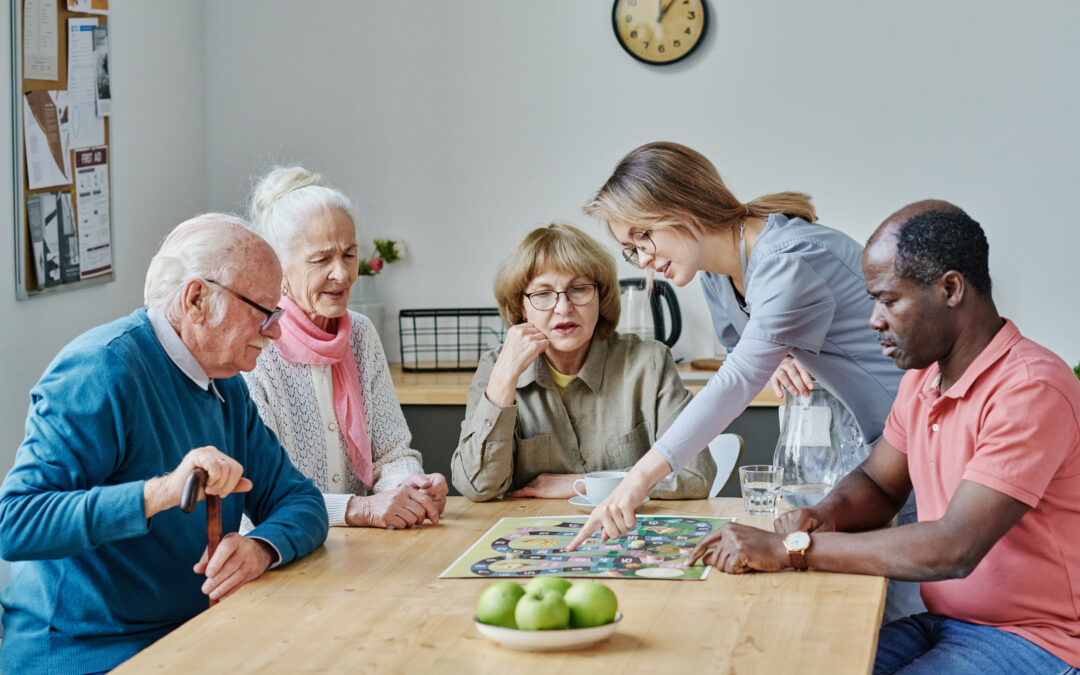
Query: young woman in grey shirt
x,y
566,394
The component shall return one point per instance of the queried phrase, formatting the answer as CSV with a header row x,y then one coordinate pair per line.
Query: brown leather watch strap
x,y
797,559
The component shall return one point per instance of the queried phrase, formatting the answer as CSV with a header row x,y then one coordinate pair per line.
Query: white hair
x,y
208,246
283,202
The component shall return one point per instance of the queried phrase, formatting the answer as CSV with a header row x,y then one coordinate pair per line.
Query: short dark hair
x,y
931,243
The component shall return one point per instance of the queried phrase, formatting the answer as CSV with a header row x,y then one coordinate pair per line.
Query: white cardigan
x,y
285,394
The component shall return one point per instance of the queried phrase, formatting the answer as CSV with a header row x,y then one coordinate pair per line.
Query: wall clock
x,y
659,32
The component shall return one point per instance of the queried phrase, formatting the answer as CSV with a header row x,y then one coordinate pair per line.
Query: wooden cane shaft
x,y
213,528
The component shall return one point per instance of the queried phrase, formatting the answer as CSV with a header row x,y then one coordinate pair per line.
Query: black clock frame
x,y
704,31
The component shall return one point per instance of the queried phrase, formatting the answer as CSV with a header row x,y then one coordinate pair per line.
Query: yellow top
x,y
560,380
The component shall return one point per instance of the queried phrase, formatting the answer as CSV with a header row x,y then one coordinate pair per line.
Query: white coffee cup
x,y
598,485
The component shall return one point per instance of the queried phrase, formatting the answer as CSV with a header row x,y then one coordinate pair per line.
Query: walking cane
x,y
189,498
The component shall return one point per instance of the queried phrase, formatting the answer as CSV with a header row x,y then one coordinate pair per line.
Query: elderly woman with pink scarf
x,y
324,386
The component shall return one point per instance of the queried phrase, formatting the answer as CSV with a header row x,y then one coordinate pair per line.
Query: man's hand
x,y
740,548
548,486
802,520
237,560
791,375
224,476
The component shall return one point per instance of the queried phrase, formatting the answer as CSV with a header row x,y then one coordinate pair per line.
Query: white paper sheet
x,y
47,139
87,129
40,44
102,94
92,206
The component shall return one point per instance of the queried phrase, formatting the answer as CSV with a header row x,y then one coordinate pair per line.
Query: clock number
x,y
691,15
687,31
633,34
646,45
676,44
629,18
660,49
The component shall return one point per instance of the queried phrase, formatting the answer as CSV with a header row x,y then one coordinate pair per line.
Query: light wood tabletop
x,y
449,388
371,601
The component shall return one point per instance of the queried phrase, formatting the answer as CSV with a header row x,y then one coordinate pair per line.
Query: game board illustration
x,y
525,547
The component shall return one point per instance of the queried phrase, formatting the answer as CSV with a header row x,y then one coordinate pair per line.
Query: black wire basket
x,y
447,339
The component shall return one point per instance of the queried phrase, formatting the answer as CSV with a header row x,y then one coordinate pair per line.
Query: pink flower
x,y
377,264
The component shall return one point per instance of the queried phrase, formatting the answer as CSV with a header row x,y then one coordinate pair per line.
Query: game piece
x,y
637,543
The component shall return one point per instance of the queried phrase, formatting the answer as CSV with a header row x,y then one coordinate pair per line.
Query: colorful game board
x,y
525,547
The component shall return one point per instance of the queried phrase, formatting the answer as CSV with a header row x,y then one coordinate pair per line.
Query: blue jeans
x,y
927,643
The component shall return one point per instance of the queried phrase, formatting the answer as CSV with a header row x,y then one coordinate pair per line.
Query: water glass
x,y
760,484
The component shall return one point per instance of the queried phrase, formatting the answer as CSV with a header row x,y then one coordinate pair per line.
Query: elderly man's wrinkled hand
x,y
237,560
737,548
802,520
224,476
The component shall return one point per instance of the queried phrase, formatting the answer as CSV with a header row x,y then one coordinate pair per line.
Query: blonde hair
x,y
285,199
662,185
561,248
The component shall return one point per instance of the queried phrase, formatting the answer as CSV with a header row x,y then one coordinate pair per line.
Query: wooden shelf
x,y
452,388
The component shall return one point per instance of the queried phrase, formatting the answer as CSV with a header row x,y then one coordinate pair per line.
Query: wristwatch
x,y
796,544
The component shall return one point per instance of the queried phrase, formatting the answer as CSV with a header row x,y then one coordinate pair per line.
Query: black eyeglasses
x,y
642,242
272,315
582,294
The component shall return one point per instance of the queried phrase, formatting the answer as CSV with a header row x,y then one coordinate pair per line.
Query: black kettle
x,y
643,313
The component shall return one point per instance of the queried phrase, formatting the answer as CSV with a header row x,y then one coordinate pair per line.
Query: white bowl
x,y
548,640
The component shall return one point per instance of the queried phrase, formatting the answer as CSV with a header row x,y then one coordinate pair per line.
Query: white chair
x,y
726,450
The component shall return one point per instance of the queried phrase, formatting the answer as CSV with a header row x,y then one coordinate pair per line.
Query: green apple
x,y
497,602
591,604
541,609
551,583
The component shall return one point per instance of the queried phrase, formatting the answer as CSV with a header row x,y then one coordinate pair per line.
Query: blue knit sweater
x,y
94,581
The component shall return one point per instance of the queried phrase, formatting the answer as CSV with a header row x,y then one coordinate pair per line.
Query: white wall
x,y
459,126
157,180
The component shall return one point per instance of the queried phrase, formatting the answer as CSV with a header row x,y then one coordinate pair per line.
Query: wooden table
x,y
370,601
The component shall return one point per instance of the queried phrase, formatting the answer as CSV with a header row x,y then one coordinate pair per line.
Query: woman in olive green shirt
x,y
566,394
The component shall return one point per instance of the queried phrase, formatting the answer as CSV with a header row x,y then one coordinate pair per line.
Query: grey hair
x,y
285,199
208,246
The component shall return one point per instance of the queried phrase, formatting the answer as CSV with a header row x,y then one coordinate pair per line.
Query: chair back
x,y
726,451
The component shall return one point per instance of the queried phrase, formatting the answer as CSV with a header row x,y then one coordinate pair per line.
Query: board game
x,y
525,547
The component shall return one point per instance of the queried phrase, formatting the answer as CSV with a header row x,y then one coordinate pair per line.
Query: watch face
x,y
659,31
796,541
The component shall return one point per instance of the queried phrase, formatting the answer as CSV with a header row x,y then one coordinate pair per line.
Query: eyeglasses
x,y
582,294
272,315
642,242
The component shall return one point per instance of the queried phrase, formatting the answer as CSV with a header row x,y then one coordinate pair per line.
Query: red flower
x,y
377,264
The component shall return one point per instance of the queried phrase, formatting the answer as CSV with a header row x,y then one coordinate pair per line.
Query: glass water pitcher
x,y
819,444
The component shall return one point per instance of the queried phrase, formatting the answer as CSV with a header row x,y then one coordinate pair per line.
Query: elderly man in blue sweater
x,y
103,561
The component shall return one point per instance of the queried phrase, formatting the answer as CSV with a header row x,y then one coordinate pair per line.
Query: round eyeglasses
x,y
582,294
272,315
643,243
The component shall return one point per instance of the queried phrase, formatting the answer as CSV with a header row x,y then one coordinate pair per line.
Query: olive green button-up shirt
x,y
626,394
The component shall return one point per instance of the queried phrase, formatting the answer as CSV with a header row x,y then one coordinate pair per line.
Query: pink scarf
x,y
302,341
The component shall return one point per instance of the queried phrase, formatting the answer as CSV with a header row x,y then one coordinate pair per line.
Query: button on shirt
x,y
1010,423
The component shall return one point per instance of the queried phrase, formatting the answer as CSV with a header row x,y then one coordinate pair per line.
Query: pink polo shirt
x,y
1012,424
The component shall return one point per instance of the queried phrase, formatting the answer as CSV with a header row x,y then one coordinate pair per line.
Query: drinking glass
x,y
760,484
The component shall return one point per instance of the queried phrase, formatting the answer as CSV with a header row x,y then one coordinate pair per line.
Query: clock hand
x,y
664,9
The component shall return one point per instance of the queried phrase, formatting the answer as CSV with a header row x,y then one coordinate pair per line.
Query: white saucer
x,y
548,640
586,505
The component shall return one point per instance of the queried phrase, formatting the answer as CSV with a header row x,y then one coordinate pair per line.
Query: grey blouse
x,y
805,296
627,393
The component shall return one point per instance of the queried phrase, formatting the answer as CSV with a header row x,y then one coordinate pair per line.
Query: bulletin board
x,y
61,106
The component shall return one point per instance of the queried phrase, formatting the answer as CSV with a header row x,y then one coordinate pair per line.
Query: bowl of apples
x,y
547,614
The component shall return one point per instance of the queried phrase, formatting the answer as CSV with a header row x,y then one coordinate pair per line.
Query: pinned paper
x,y
47,138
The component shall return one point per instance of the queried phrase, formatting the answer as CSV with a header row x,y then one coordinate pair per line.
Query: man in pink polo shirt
x,y
986,430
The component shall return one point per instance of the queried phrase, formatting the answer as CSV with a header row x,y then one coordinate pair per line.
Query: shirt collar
x,y
1007,336
178,352
591,373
